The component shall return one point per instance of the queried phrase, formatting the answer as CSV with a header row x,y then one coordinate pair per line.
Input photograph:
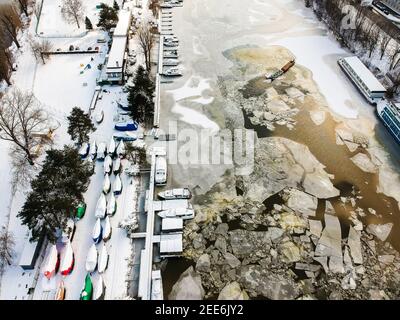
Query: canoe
x,y
84,150
60,294
121,149
80,210
101,207
106,184
108,163
52,262
98,293
101,151
117,166
103,259
117,186
97,231
111,147
67,263
87,291
107,229
111,205
91,259
99,116
93,150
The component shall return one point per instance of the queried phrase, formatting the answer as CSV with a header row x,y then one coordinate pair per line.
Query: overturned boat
x,y
106,184
87,291
107,229
97,231
101,207
103,259
52,262
184,213
178,193
67,263
91,259
117,186
111,205
108,163
98,293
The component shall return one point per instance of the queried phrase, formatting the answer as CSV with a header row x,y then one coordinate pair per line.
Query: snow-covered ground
x,y
62,83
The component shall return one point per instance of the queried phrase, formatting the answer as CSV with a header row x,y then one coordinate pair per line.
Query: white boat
x,y
111,147
99,116
52,262
161,171
101,151
103,259
121,149
111,205
93,150
156,286
184,213
178,193
98,292
117,186
117,166
106,184
172,72
108,163
67,263
97,231
101,207
84,150
91,259
107,229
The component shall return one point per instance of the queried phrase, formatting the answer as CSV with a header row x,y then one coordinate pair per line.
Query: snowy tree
x,y
136,154
23,5
88,24
72,11
129,224
80,125
108,17
23,121
146,42
115,6
56,192
7,244
40,49
154,6
10,23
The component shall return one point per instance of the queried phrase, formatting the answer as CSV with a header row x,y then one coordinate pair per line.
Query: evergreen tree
x,y
140,97
88,24
56,192
80,125
115,6
108,17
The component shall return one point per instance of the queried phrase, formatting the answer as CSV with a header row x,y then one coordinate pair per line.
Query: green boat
x,y
87,291
80,211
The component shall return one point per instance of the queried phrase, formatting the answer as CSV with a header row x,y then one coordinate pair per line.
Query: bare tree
x,y
383,44
10,22
154,6
146,42
5,70
72,10
23,5
23,122
36,8
371,40
7,244
394,57
40,49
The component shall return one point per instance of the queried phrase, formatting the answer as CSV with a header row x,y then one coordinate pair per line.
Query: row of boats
x,y
102,150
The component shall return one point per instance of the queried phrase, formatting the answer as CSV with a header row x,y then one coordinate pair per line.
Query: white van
x,y
161,171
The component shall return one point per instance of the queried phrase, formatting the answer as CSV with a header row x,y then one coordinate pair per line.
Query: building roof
x,y
171,243
28,253
116,55
124,22
171,224
367,77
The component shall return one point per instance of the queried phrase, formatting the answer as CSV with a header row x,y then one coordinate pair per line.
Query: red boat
x,y
68,261
52,262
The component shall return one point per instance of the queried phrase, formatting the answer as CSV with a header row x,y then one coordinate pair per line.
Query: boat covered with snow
x,y
184,213
91,259
117,166
106,184
101,207
111,147
117,186
121,151
84,150
108,163
52,262
67,263
97,231
93,150
107,229
101,151
111,205
99,117
125,136
87,291
178,193
126,126
103,259
98,293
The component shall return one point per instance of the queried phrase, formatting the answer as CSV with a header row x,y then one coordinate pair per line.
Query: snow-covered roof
x,y
172,224
116,55
364,74
28,253
124,22
171,243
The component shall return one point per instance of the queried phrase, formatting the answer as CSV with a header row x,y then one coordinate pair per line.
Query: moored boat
x,y
106,184
52,262
80,210
126,126
107,229
117,166
67,263
121,149
108,163
184,213
97,231
91,259
101,207
87,291
178,193
103,259
98,293
117,186
101,151
111,147
111,205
